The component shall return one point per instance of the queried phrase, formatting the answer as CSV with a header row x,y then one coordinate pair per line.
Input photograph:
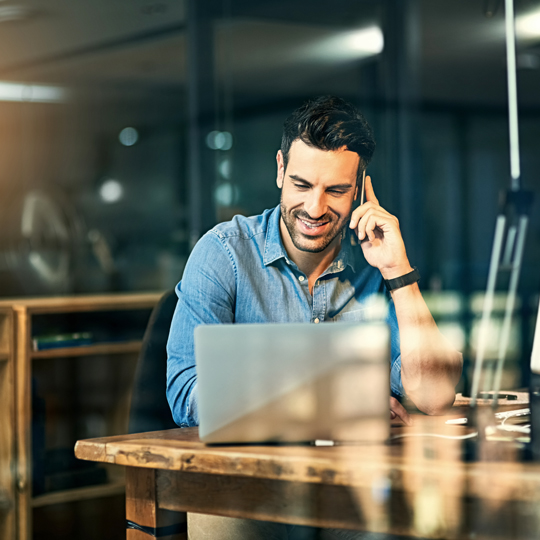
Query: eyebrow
x,y
335,186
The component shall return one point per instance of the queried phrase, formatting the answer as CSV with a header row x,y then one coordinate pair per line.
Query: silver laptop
x,y
293,382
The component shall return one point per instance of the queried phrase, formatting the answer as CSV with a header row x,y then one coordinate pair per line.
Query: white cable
x,y
515,428
437,435
516,412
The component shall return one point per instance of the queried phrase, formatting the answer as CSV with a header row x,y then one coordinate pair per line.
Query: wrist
x,y
396,271
404,280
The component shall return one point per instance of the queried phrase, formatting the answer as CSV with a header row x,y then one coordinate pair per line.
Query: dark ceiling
x,y
261,46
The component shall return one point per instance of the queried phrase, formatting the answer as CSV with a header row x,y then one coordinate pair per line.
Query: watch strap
x,y
402,281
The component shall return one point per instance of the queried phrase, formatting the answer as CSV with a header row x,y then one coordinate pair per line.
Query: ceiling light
x,y
36,93
528,26
226,194
14,13
348,45
219,140
111,191
367,41
225,168
128,136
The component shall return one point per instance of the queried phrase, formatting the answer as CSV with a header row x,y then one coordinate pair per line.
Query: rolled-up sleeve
x,y
206,295
396,385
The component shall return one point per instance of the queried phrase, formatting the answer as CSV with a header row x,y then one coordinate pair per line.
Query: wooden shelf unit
x,y
17,364
8,487
79,494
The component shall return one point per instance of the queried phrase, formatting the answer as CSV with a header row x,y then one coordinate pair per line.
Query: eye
x,y
302,187
336,192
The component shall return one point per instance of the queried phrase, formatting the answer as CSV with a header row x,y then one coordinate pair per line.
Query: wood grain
x,y
332,506
418,486
262,499
23,424
142,507
359,466
71,304
7,427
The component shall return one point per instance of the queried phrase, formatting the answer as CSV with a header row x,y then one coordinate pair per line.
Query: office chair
x,y
149,407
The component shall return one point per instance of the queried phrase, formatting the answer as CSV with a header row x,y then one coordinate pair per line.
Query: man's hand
x,y
380,237
397,410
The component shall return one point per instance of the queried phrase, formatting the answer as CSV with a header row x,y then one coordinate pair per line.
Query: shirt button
x,y
301,278
316,321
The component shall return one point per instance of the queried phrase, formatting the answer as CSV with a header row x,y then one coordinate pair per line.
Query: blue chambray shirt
x,y
239,272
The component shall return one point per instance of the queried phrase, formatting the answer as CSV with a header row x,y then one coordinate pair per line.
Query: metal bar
x,y
515,167
509,249
488,306
535,357
510,302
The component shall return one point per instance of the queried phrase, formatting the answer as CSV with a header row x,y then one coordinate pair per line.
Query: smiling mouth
x,y
312,227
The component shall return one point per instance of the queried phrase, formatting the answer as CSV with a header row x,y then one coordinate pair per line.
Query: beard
x,y
315,243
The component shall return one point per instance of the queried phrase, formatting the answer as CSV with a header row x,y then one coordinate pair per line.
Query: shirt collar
x,y
273,247
345,256
274,250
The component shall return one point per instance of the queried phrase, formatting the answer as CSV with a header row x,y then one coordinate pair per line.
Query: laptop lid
x,y
293,382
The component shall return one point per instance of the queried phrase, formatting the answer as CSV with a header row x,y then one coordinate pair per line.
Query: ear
x,y
280,169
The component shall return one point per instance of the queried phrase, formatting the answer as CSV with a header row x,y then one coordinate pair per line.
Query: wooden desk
x,y
419,486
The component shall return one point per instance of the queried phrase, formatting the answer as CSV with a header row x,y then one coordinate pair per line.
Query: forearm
x,y
205,296
181,372
430,366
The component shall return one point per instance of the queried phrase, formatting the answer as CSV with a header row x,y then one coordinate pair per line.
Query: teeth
x,y
311,225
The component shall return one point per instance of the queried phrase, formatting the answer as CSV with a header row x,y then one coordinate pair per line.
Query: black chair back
x,y
149,407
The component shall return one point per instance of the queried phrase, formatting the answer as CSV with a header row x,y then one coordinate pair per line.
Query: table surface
x,y
423,445
417,484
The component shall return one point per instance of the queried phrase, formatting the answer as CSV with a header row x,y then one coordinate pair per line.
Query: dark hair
x,y
329,123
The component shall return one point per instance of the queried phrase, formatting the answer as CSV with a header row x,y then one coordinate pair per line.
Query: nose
x,y
315,205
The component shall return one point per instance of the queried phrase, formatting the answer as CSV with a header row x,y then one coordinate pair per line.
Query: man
x,y
297,263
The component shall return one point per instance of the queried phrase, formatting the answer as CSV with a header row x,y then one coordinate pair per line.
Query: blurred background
x,y
130,127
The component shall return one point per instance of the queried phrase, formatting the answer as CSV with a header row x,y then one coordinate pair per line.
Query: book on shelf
x,y
61,341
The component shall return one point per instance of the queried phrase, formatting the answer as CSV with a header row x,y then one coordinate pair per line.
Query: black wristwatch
x,y
402,281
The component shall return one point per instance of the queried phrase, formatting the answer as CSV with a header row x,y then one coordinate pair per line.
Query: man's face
x,y
317,193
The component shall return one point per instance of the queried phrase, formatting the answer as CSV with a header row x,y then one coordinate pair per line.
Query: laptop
x,y
294,382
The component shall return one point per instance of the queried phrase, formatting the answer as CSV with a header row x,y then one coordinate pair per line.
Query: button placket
x,y
319,302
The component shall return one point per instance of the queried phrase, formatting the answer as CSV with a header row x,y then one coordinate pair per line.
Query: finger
x,y
370,193
374,217
359,213
399,410
371,225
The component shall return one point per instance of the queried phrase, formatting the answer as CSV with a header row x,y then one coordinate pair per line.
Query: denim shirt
x,y
239,272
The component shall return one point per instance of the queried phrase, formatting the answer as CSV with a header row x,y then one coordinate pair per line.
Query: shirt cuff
x,y
193,407
395,378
